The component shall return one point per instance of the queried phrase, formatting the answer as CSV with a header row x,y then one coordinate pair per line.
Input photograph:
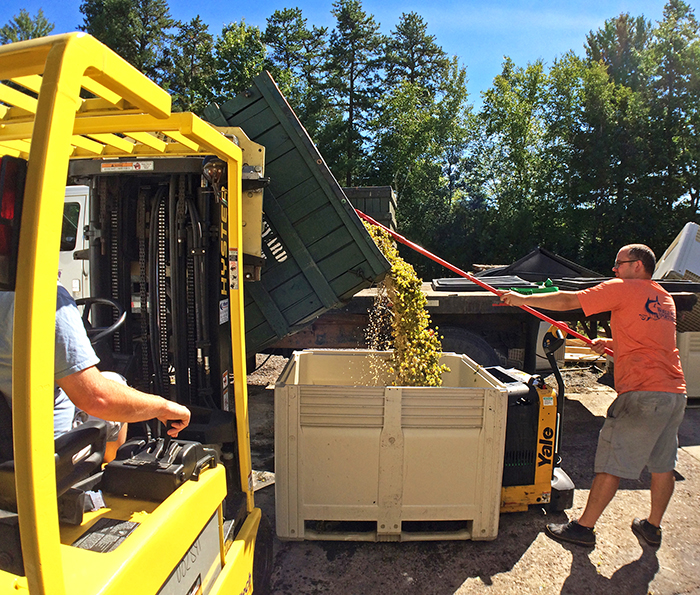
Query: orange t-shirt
x,y
643,324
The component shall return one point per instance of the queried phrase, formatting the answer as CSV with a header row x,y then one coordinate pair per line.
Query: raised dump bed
x,y
318,252
358,460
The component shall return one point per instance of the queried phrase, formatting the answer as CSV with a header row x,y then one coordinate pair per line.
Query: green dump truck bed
x,y
318,253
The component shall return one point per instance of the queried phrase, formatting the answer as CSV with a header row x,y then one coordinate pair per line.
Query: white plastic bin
x,y
682,261
358,460
689,347
682,258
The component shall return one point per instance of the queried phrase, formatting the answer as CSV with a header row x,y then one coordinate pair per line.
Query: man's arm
x,y
104,398
558,301
600,344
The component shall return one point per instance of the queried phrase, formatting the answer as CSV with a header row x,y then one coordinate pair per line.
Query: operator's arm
x,y
104,398
559,301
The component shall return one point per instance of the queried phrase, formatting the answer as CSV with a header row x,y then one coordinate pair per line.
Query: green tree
x,y
514,126
240,57
286,35
620,44
22,27
414,56
355,52
190,60
567,219
674,61
296,60
420,145
137,30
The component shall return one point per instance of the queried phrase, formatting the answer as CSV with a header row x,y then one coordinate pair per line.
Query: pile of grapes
x,y
401,307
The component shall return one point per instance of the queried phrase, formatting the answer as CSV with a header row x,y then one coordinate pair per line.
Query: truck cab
x,y
73,268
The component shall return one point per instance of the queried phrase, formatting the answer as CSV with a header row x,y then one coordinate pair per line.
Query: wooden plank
x,y
273,314
347,259
302,204
330,244
288,170
305,310
213,114
295,197
348,284
253,314
276,142
255,121
299,252
310,231
248,103
279,273
258,338
292,291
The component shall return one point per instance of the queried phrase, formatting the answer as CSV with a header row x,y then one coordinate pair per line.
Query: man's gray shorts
x,y
641,429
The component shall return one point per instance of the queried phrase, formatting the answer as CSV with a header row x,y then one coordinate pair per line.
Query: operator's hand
x,y
599,345
513,298
178,416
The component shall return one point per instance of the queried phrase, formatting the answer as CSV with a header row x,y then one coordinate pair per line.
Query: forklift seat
x,y
78,454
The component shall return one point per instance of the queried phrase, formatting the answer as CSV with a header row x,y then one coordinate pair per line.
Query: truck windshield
x,y
69,231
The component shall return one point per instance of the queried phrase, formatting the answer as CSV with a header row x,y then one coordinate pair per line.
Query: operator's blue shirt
x,y
73,352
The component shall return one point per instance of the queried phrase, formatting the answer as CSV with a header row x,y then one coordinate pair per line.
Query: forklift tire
x,y
459,340
262,558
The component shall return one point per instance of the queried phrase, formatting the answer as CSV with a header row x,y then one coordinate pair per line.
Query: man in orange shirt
x,y
641,427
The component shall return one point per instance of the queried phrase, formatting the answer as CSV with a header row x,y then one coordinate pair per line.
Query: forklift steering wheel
x,y
99,333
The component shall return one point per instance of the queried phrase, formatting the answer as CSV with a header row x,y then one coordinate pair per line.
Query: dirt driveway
x,y
521,559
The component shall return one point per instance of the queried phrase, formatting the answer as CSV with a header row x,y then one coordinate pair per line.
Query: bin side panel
x,y
389,455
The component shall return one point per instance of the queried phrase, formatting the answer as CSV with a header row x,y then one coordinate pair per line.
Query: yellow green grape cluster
x,y
417,347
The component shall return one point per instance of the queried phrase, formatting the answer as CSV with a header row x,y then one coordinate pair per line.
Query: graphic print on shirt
x,y
656,312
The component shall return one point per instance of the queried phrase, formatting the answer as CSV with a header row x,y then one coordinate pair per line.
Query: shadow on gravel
x,y
425,568
630,579
689,432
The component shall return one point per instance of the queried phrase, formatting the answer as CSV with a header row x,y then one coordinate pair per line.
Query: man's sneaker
x,y
571,532
648,532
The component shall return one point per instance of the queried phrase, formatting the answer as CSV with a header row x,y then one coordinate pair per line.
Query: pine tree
x,y
192,67
296,60
22,27
414,56
137,30
620,45
355,53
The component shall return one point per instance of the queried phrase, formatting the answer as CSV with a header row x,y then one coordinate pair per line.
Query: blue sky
x,y
480,33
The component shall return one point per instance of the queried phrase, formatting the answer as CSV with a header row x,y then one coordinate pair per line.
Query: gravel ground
x,y
521,559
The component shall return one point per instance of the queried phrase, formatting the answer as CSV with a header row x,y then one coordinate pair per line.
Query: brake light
x,y
13,172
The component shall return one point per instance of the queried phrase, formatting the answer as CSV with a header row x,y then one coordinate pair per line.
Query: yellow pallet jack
x,y
532,472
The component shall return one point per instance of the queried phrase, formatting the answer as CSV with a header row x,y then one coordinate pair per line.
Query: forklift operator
x,y
79,384
641,427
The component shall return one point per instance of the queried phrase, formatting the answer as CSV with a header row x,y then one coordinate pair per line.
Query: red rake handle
x,y
399,238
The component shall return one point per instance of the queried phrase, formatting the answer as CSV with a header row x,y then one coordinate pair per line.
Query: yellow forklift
x,y
184,523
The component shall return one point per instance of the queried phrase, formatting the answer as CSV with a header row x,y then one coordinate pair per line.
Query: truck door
x,y
73,273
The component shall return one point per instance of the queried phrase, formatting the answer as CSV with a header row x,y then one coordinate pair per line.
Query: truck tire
x,y
262,558
460,340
